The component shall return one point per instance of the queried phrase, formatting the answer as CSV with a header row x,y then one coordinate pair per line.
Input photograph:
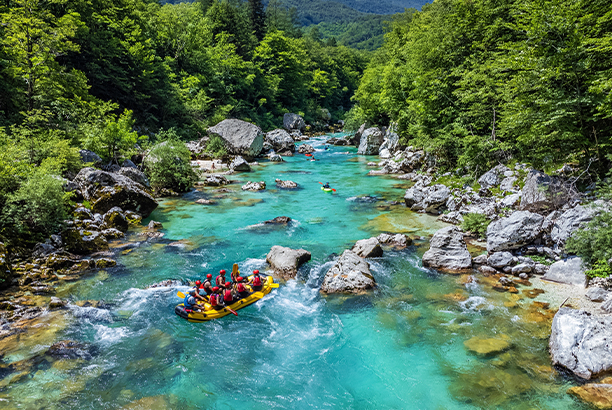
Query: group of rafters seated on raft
x,y
224,293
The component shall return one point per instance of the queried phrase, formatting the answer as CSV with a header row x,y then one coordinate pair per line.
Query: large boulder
x,y
350,274
427,198
493,177
513,232
397,240
286,261
240,137
240,164
5,267
135,175
293,122
370,142
105,190
368,248
580,342
82,242
544,193
570,221
448,251
280,140
215,180
569,271
391,140
286,184
501,259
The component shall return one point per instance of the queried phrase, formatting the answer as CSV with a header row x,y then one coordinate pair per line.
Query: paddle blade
x,y
309,155
333,190
321,183
274,285
181,295
233,311
258,295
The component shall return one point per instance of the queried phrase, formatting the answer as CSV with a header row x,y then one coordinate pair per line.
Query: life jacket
x,y
220,281
189,302
214,299
227,295
256,281
240,287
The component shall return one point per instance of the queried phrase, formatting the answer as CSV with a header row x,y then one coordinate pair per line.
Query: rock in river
x,y
280,140
598,395
286,261
368,248
240,137
350,274
306,149
569,271
286,184
240,164
448,251
254,186
488,346
580,342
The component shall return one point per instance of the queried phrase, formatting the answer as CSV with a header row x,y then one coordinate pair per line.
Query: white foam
x,y
108,336
92,313
475,303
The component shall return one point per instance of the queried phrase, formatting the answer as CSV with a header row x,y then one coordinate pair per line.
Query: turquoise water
x,y
399,347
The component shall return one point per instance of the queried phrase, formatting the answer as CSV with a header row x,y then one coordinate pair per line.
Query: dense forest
x,y
483,82
111,76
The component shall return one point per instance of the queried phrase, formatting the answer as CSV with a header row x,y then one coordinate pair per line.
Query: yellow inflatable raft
x,y
209,313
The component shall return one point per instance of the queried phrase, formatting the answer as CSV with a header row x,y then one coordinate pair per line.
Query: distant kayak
x,y
326,189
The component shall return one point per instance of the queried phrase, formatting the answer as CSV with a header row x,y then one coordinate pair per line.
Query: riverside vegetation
x,y
498,113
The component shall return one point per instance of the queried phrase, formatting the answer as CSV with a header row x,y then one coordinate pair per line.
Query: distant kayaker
x,y
326,186
228,296
207,285
256,282
241,289
215,299
220,280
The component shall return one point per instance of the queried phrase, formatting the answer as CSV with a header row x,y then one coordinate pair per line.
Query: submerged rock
x,y
598,395
69,349
286,261
489,346
350,274
580,342
279,220
448,251
368,248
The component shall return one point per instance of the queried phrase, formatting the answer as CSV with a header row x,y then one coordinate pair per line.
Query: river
x,y
404,346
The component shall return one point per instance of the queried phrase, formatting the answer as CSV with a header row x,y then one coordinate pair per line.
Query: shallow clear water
x,y
399,347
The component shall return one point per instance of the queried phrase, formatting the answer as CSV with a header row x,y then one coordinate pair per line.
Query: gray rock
x,y
519,229
89,157
276,158
540,269
487,270
597,294
43,249
569,271
286,184
580,342
279,220
368,248
254,186
306,149
293,122
216,180
437,196
543,192
370,141
522,268
607,305
135,175
280,140
155,225
510,201
350,274
501,259
240,164
480,259
448,251
112,233
82,242
82,213
105,190
384,153
570,221
56,303
286,261
508,184
398,240
240,137
413,196
128,164
493,177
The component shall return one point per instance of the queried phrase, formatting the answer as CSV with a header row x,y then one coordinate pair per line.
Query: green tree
x,y
114,139
257,15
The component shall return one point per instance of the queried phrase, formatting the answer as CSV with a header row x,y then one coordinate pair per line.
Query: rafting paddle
x,y
330,188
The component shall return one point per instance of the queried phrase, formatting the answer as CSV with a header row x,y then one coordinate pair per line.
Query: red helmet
x,y
256,272
198,283
209,276
201,286
227,284
239,278
216,289
222,271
